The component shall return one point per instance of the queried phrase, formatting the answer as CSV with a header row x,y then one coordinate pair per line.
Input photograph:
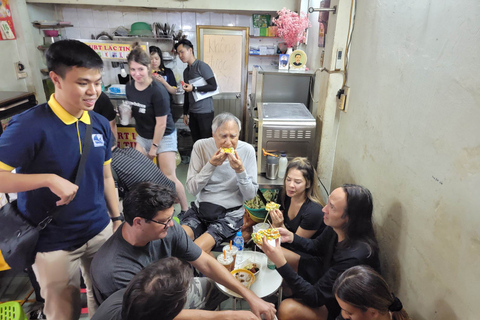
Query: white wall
x,y
182,5
10,55
23,49
89,21
412,136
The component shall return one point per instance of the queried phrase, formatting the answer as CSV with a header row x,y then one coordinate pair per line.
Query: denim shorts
x,y
167,144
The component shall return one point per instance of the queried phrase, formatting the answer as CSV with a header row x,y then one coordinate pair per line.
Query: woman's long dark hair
x,y
363,288
157,50
359,210
309,174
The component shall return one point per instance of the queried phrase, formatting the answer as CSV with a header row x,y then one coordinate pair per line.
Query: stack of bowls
x,y
141,29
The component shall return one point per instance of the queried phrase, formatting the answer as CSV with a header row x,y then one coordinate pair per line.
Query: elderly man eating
x,y
222,175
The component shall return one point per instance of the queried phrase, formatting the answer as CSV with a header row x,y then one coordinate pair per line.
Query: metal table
x,y
267,281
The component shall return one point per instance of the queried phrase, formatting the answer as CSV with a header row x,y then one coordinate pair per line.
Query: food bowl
x,y
253,267
51,33
271,234
258,213
245,277
141,29
260,226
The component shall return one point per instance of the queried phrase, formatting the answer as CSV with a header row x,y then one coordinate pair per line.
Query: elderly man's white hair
x,y
223,117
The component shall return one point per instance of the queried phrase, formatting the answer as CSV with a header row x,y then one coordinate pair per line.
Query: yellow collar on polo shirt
x,y
63,115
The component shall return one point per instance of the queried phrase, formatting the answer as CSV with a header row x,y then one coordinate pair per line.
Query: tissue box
x,y
254,51
263,50
271,50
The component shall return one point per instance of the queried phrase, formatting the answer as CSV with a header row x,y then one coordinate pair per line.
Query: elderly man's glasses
x,y
165,224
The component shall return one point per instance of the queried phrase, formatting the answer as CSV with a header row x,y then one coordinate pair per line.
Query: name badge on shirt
x,y
97,140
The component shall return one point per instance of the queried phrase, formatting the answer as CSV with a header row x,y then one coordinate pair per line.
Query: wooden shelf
x,y
263,37
263,55
55,26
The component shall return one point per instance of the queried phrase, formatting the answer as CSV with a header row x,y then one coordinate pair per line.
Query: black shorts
x,y
220,228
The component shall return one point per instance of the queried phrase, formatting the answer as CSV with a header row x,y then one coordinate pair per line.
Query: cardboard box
x,y
272,31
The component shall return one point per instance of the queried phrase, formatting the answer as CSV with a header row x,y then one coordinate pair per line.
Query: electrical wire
x,y
351,24
324,188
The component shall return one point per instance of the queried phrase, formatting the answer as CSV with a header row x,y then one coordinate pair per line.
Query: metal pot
x,y
178,98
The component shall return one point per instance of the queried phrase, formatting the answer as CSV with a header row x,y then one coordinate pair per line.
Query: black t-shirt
x,y
152,102
168,75
309,217
105,107
111,309
117,261
316,275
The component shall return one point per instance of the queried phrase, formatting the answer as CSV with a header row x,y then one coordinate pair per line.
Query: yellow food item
x,y
270,234
272,206
228,150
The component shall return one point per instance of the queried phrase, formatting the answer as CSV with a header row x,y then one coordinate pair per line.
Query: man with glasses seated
x,y
149,234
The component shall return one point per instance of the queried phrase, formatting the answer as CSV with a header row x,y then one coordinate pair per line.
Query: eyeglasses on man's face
x,y
165,224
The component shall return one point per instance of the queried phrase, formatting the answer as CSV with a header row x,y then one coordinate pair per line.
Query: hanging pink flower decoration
x,y
291,26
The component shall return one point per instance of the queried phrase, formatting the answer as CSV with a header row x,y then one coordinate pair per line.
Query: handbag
x,y
18,235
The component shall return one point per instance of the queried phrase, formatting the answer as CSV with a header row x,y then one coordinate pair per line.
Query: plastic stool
x,y
12,311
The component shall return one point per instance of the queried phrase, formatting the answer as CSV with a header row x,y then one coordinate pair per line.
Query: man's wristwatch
x,y
195,88
119,218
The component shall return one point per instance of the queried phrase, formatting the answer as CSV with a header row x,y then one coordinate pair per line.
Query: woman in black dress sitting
x,y
347,241
302,212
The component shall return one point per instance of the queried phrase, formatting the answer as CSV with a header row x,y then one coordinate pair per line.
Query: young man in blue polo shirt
x,y
44,144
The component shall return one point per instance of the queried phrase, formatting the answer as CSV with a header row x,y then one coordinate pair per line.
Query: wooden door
x,y
225,50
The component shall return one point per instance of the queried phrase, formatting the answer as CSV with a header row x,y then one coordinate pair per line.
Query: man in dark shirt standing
x,y
198,115
105,107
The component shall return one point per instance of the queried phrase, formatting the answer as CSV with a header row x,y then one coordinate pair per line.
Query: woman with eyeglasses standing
x,y
150,102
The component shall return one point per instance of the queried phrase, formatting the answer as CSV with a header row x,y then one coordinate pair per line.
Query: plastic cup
x,y
226,260
231,252
260,226
125,114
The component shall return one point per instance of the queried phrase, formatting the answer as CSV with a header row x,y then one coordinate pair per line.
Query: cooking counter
x,y
177,109
264,183
13,102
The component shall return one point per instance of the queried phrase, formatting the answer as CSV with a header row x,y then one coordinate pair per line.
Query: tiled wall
x,y
88,22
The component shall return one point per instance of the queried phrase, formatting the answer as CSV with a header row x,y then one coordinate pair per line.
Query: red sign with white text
x,y
7,31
